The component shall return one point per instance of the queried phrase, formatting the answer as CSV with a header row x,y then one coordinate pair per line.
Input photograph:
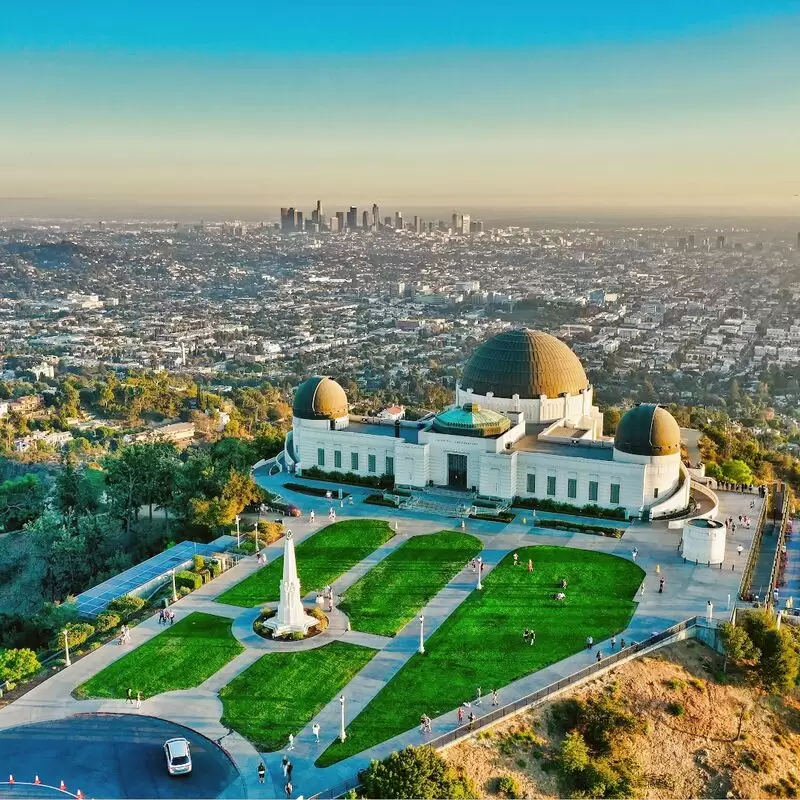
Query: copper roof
x,y
471,420
524,362
648,430
320,397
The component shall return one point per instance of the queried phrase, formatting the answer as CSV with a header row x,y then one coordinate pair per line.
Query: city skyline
x,y
634,109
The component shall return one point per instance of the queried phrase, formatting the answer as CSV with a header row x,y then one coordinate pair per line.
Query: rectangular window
x,y
389,465
371,464
655,492
320,456
337,459
593,491
551,484
572,488
354,462
532,483
614,495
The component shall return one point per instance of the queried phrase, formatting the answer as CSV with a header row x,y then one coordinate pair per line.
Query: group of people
x,y
124,635
528,636
261,559
516,562
425,723
166,616
130,699
730,523
477,563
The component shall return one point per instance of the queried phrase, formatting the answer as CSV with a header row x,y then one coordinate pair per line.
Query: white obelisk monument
x,y
291,616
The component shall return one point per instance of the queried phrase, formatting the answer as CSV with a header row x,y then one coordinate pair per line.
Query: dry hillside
x,y
691,745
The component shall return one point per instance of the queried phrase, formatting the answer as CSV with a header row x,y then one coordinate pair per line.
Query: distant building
x,y
398,221
393,413
352,218
175,432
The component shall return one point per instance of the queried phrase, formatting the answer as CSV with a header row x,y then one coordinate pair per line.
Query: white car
x,y
179,758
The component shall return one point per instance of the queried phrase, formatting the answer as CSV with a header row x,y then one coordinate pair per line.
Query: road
x,y
112,756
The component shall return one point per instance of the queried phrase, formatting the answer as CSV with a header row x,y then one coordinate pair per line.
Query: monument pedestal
x,y
291,617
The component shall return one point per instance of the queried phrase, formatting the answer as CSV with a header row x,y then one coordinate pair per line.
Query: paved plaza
x,y
688,589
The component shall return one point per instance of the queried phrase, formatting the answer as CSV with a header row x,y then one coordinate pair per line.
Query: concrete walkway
x,y
688,588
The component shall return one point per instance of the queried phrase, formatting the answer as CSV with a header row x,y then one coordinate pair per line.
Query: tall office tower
x,y
442,226
365,220
333,224
465,223
340,220
798,241
287,220
430,227
319,211
387,222
682,243
398,221
720,242
298,221
376,217
479,226
691,241
473,226
416,223
352,218
456,227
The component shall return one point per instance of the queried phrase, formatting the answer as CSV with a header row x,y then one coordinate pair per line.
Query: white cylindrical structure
x,y
704,541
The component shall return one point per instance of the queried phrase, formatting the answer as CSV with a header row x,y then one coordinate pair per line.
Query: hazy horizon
x,y
619,110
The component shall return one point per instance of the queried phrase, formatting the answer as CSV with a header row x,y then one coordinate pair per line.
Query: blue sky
x,y
671,104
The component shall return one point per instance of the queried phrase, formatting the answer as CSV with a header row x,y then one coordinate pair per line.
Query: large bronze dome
x,y
524,362
648,430
320,397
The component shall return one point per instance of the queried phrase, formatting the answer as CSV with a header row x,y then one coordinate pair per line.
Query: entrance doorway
x,y
456,471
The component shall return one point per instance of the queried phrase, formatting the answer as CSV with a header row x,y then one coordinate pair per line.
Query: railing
x,y
781,538
532,699
747,575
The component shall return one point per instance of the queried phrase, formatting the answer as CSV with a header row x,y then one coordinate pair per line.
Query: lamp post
x,y
67,661
342,733
480,569
421,650
237,529
256,538
174,590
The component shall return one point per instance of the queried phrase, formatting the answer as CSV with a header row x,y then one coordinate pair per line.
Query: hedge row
x,y
590,510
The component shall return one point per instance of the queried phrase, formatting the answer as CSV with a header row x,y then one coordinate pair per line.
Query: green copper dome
x,y
471,420
526,363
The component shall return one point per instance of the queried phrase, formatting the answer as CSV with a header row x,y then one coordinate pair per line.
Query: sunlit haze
x,y
634,106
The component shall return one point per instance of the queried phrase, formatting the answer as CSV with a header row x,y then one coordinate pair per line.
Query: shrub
x,y
183,591
676,684
574,756
591,510
269,532
415,772
77,634
375,481
106,621
319,614
676,709
15,665
188,580
198,563
380,500
215,568
507,786
126,606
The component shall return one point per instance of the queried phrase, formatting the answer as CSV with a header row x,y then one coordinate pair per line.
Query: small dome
x,y
471,420
648,430
524,362
320,397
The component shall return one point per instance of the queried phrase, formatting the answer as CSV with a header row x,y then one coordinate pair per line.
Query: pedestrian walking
x,y
533,637
530,565
291,741
495,700
460,716
642,589
526,635
599,656
622,644
634,554
472,719
285,765
516,559
739,549
171,617
161,617
479,693
312,516
138,700
589,642
661,585
289,768
288,788
422,724
262,771
613,642
129,695
315,731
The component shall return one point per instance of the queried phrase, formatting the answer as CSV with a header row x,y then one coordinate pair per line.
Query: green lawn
x,y
182,656
282,692
480,644
393,591
321,559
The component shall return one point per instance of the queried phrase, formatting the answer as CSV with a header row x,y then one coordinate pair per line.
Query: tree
x,y
778,668
17,664
736,471
75,493
21,501
611,418
418,772
574,756
737,645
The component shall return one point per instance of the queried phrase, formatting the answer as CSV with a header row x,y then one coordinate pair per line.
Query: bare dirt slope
x,y
704,738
